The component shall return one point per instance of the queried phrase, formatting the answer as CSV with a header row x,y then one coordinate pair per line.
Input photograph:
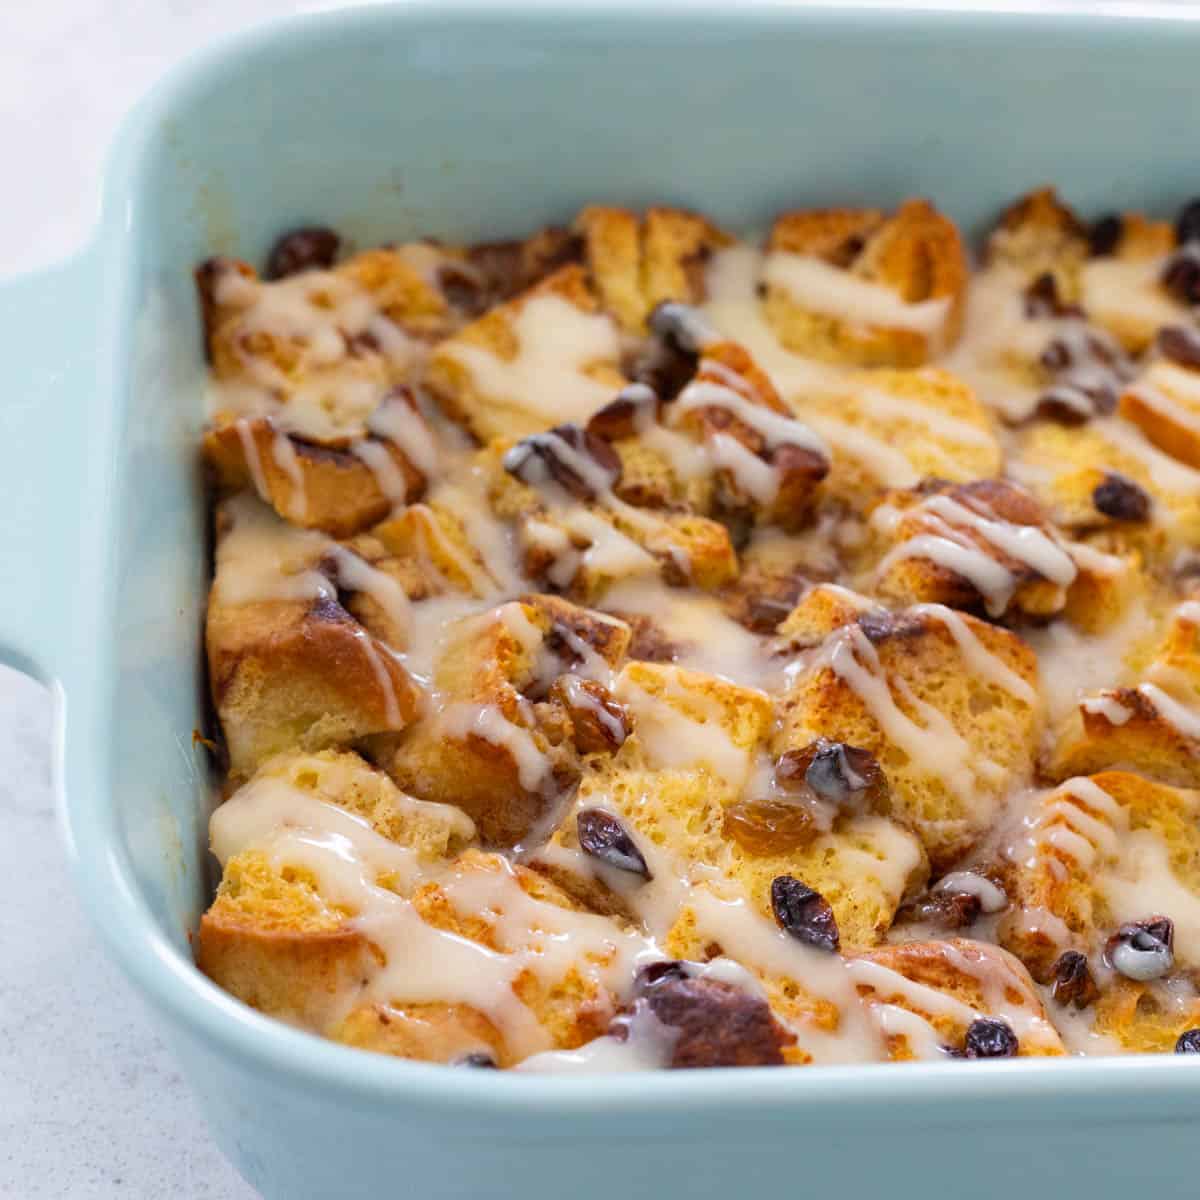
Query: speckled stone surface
x,y
91,1106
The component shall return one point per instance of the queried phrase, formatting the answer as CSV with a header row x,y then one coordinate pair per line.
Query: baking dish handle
x,y
48,356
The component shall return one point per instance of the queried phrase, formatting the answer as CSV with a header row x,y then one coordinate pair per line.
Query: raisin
x,y
989,1037
653,974
1069,405
1105,234
1187,224
1189,1042
633,408
604,837
681,326
764,613
804,913
1142,950
1121,498
769,826
844,776
479,1059
599,723
308,249
579,462
716,1024
465,290
945,910
1073,981
1042,299
1180,345
1181,274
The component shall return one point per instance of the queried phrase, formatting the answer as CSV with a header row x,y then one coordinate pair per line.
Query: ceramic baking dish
x,y
464,122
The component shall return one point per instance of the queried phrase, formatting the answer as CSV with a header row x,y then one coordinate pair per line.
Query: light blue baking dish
x,y
466,121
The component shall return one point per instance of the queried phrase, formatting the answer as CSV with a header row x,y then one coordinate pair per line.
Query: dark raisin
x,y
653,974
1042,298
1105,234
681,326
1189,1042
1181,274
604,837
1068,405
1121,498
1073,981
1180,345
599,724
764,613
477,1058
1187,224
465,290
308,249
988,1037
839,774
663,368
716,1024
804,913
945,910
634,408
1142,950
579,462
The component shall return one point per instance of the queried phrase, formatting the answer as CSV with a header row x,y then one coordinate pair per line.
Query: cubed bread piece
x,y
1152,727
1124,290
336,888
946,704
890,429
858,287
339,491
926,996
575,533
636,263
1039,235
546,355
502,744
271,936
984,546
1107,482
289,667
1092,856
1164,403
318,351
688,788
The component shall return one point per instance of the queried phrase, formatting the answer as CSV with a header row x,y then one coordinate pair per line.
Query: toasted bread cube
x,y
1123,291
1098,853
1151,727
338,491
946,704
289,667
1164,403
890,429
636,264
678,785
546,355
861,288
501,746
1038,235
987,546
946,986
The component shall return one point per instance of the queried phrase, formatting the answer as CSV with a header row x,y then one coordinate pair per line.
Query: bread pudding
x,y
640,646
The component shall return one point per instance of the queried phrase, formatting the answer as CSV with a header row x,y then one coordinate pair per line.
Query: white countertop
x,y
91,1106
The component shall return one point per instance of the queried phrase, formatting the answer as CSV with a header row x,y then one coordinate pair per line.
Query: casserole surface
x,y
370,117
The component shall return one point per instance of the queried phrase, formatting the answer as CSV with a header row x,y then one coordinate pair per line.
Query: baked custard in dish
x,y
637,646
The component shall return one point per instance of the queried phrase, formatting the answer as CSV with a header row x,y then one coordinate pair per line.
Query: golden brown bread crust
x,y
916,254
326,488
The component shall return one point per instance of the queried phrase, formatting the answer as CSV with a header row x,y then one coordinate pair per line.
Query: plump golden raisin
x,y
769,826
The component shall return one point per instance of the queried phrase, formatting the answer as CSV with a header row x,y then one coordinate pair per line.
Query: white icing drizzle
x,y
820,287
555,340
253,462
